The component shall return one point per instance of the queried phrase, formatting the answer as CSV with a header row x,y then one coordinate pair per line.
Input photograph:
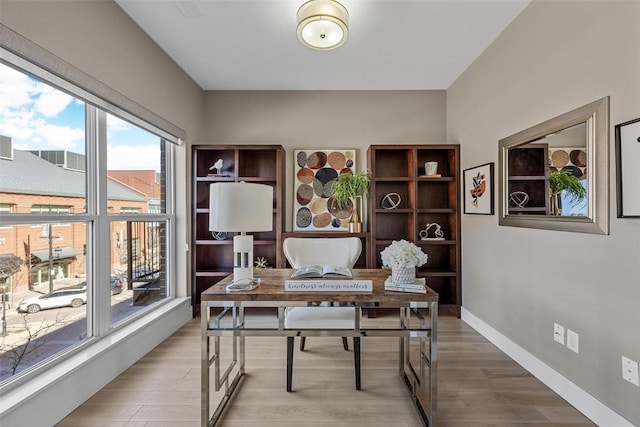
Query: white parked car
x,y
74,297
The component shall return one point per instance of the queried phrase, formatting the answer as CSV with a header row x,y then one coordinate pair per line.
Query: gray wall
x,y
101,40
555,56
98,38
329,119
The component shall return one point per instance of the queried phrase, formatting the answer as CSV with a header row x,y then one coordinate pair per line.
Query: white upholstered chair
x,y
338,251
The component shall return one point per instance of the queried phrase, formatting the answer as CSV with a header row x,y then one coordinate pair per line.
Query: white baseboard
x,y
591,407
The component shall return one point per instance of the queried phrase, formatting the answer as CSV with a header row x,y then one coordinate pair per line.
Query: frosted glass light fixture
x,y
323,24
241,207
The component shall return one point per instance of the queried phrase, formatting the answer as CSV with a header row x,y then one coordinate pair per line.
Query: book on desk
x,y
417,287
321,271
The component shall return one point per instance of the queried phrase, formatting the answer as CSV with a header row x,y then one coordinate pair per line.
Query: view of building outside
x,y
45,250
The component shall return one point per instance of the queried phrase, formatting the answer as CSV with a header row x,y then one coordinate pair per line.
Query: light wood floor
x,y
478,386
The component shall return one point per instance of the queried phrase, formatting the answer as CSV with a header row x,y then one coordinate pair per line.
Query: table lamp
x,y
241,207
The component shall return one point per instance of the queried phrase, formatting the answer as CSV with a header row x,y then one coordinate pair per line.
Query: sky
x,y
39,117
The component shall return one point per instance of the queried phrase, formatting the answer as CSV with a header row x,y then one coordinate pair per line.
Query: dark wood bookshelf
x,y
400,169
529,173
212,259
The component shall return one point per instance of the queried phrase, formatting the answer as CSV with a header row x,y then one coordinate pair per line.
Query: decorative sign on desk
x,y
328,285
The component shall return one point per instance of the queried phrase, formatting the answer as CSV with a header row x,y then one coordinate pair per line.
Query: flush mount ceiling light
x,y
323,24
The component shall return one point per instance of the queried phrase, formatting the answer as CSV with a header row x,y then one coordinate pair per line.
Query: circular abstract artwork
x,y
578,158
338,212
317,160
322,220
315,173
303,218
573,161
304,194
559,158
305,175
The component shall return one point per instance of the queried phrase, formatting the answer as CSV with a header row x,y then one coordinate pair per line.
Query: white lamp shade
x,y
240,207
323,24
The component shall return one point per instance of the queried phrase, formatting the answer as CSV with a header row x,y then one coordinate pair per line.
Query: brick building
x,y
45,182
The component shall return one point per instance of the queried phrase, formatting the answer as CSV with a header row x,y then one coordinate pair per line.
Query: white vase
x,y
403,274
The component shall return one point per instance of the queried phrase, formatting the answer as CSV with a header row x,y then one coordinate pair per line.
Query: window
x,y
125,210
5,208
50,209
104,267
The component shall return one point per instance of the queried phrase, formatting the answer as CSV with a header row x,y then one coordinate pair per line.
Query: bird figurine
x,y
217,166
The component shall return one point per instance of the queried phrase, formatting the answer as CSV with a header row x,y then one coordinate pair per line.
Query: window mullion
x,y
98,233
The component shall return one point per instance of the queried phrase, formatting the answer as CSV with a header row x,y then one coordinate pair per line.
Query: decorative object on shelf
x,y
315,207
241,207
355,224
261,263
565,183
478,189
391,201
322,24
403,257
519,199
627,159
348,189
430,168
217,168
219,235
438,234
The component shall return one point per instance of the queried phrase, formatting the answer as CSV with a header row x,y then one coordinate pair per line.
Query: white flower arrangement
x,y
402,254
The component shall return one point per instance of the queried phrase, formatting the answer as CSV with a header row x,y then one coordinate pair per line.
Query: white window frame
x,y
99,100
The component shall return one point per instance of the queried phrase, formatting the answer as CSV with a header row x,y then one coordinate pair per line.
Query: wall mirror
x,y
555,175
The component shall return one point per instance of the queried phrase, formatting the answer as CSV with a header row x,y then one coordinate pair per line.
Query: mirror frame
x,y
596,116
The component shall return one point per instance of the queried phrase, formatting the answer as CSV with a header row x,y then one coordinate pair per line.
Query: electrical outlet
x,y
630,371
573,340
558,333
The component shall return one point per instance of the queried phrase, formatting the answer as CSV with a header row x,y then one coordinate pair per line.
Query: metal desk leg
x,y
204,365
433,360
208,359
427,361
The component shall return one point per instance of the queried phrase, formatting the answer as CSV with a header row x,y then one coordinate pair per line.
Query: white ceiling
x,y
392,45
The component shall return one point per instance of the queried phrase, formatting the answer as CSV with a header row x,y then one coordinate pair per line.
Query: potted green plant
x,y
350,186
560,181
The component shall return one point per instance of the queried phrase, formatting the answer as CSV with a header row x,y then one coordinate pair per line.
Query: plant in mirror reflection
x,y
560,181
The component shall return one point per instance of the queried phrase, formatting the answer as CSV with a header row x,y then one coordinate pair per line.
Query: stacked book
x,y
418,287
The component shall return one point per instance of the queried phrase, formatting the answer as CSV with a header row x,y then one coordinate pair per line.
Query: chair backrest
x,y
338,251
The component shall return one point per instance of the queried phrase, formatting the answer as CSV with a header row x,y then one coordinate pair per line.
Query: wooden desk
x,y
218,304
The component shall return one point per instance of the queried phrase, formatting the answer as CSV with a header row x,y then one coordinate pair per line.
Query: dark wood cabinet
x,y
395,169
528,167
403,201
212,259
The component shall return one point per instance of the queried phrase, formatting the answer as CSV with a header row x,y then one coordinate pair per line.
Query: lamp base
x,y
243,258
243,285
